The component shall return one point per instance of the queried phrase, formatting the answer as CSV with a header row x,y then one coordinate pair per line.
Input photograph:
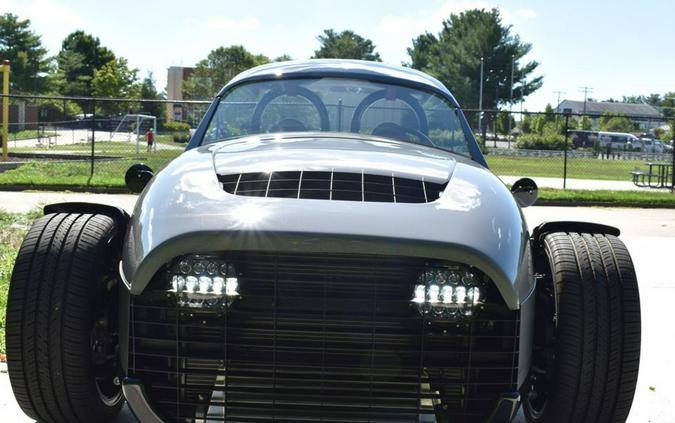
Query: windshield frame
x,y
475,153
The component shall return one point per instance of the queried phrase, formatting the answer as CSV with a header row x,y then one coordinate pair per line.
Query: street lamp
x,y
480,96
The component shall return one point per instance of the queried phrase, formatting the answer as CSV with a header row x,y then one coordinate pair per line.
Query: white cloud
x,y
40,11
223,23
50,19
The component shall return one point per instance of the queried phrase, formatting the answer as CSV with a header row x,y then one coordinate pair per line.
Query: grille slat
x,y
321,338
343,186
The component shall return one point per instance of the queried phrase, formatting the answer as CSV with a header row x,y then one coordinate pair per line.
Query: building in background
x,y
645,116
177,75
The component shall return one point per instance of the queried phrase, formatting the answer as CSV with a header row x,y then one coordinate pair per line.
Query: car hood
x,y
332,152
185,210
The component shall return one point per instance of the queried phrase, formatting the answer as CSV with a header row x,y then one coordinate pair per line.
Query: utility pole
x,y
480,96
585,90
559,93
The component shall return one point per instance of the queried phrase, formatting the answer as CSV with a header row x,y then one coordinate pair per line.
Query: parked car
x,y
331,246
650,145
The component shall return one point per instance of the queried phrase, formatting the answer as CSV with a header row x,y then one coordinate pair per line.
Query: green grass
x,y
13,227
618,198
107,173
23,135
614,170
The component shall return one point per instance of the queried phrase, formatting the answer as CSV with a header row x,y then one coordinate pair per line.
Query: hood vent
x,y
344,186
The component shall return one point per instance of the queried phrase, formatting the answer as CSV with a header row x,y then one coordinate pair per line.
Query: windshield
x,y
338,105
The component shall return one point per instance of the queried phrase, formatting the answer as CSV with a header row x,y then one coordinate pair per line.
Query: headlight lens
x,y
448,292
203,281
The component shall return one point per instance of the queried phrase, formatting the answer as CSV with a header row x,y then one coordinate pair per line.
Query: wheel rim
x,y
104,344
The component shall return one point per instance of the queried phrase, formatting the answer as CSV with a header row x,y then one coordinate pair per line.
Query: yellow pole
x,y
5,110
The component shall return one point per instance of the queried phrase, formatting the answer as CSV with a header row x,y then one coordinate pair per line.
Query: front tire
x,y
587,341
61,325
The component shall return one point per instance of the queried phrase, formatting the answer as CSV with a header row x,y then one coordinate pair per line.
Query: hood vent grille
x,y
344,186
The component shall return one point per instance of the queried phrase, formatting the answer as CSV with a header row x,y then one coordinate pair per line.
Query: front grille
x,y
332,186
321,338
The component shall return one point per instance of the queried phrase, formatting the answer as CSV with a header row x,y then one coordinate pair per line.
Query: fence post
x,y
93,135
5,110
672,181
567,122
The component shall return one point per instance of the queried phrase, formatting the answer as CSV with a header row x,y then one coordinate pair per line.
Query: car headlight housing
x,y
203,281
449,292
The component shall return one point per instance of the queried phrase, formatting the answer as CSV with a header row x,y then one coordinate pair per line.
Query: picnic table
x,y
659,175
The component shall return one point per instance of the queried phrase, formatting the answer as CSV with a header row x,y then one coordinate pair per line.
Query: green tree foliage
x,y
148,91
80,56
526,124
283,58
453,56
115,79
23,48
221,65
503,122
586,123
615,123
345,45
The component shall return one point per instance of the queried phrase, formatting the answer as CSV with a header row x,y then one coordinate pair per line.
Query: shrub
x,y
541,142
177,126
181,137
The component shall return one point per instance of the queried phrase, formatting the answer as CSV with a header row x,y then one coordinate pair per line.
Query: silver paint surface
x,y
185,210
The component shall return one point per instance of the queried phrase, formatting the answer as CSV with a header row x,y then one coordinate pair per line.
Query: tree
x,y
345,45
503,122
221,65
615,123
283,58
586,123
23,48
115,79
80,56
148,91
453,56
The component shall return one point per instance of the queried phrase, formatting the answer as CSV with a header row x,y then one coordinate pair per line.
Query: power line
x,y
585,90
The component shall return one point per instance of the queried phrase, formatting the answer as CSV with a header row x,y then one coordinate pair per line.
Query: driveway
x,y
648,233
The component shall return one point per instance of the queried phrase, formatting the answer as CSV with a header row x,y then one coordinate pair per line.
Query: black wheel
x,y
587,332
62,350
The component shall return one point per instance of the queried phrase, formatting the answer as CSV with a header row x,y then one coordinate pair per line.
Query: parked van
x,y
618,141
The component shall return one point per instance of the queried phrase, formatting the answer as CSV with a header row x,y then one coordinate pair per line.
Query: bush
x,y
181,137
177,126
541,142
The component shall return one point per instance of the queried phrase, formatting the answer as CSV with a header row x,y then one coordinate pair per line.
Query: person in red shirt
x,y
150,138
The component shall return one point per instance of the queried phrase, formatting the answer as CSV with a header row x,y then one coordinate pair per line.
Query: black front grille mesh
x,y
332,186
321,338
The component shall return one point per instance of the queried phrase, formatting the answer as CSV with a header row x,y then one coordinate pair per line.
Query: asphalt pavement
x,y
648,233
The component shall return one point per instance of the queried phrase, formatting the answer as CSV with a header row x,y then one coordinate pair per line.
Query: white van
x,y
619,141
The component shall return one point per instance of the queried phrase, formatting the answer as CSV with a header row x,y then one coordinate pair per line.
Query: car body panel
x,y
476,220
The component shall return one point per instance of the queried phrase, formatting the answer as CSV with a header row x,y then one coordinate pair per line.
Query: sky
x,y
618,48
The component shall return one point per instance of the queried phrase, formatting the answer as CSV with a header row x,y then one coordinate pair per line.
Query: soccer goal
x,y
135,123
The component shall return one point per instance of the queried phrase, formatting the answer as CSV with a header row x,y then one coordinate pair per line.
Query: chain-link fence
x,y
72,141
615,148
77,141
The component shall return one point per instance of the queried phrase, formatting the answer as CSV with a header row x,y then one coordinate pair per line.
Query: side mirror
x,y
525,192
137,177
